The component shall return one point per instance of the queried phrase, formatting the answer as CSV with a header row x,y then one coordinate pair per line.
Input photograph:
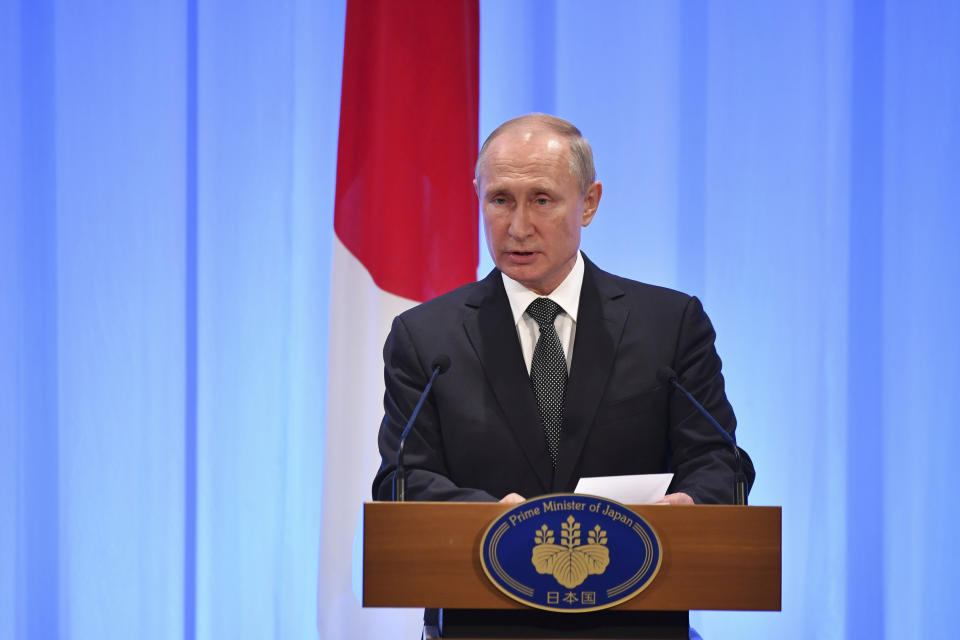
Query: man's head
x,y
537,188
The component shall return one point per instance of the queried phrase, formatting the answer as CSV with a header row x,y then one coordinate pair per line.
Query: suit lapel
x,y
600,322
489,326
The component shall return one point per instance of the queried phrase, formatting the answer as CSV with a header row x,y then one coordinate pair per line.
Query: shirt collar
x,y
567,294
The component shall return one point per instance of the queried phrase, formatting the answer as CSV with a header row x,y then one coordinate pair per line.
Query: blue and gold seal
x,y
570,553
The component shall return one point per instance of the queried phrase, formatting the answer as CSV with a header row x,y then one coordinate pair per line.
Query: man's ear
x,y
591,200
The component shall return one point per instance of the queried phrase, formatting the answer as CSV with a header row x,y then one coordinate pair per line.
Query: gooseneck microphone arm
x,y
440,364
668,376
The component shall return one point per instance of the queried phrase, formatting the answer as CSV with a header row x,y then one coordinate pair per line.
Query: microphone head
x,y
441,362
666,375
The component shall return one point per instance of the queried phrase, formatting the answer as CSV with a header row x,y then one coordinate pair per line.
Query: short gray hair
x,y
581,155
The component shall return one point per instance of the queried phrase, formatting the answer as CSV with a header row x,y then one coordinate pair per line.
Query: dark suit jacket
x,y
479,436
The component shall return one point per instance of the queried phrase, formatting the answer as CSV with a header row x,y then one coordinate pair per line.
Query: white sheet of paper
x,y
640,489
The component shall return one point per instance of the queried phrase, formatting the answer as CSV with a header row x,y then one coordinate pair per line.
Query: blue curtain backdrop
x,y
166,198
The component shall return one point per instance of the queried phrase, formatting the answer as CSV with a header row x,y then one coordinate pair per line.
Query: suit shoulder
x,y
446,304
645,293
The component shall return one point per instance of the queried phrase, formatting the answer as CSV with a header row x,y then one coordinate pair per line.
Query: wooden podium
x,y
427,554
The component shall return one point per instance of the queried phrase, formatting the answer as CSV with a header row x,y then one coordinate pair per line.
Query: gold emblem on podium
x,y
570,553
570,562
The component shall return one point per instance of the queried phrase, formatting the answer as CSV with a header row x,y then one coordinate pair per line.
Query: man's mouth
x,y
521,257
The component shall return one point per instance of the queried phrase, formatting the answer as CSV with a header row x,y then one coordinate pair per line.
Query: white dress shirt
x,y
567,295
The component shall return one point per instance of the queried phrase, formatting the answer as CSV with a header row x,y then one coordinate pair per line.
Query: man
x,y
554,362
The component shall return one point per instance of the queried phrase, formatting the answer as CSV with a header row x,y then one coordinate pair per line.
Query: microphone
x,y
668,376
440,364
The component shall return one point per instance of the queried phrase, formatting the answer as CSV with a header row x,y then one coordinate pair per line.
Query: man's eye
x,y
541,201
499,201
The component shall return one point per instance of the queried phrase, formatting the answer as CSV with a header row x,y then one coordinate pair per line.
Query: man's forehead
x,y
536,171
528,149
528,136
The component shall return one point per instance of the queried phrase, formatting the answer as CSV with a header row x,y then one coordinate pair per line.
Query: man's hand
x,y
516,498
672,498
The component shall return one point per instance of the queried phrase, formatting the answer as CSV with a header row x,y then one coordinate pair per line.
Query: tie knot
x,y
544,311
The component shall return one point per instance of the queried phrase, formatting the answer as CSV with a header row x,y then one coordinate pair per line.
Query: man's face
x,y
532,207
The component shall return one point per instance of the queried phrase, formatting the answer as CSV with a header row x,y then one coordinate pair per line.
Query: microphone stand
x,y
740,480
440,365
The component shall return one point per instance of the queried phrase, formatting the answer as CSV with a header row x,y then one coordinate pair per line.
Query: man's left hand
x,y
676,498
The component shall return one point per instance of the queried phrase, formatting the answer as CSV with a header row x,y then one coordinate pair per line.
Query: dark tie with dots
x,y
549,372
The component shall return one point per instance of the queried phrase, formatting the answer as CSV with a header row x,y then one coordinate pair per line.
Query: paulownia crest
x,y
570,562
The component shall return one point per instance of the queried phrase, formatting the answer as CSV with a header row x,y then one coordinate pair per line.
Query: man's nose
x,y
520,223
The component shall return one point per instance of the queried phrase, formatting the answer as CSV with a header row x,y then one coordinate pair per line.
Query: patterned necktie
x,y
548,372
